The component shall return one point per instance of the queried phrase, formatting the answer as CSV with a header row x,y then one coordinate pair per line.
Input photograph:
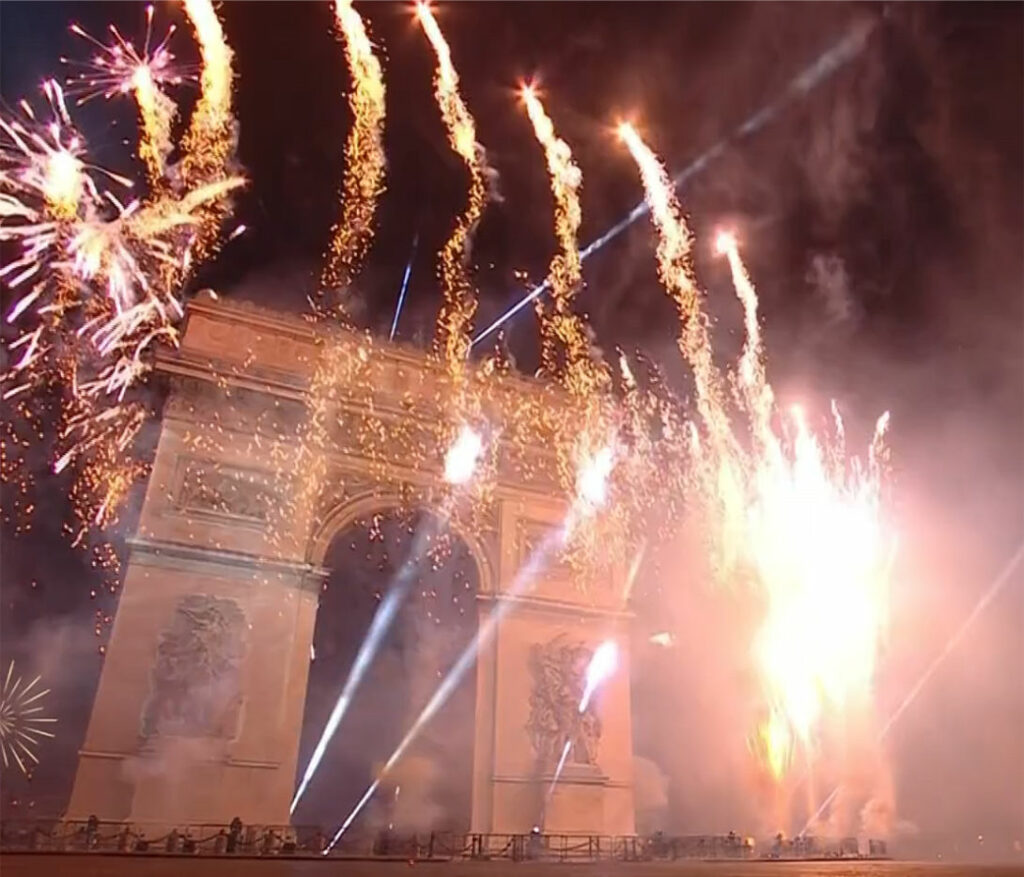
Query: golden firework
x,y
455,320
365,163
561,328
209,143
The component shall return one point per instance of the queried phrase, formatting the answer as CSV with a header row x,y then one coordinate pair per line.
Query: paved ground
x,y
98,865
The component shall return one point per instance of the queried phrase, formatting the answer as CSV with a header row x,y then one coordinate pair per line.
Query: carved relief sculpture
x,y
224,491
196,686
559,670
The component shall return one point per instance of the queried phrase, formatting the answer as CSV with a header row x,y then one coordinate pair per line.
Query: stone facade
x,y
199,709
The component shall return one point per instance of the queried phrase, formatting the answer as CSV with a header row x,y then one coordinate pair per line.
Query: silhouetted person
x,y
234,833
536,846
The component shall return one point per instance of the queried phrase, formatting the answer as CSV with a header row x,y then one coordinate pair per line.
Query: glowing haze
x,y
791,513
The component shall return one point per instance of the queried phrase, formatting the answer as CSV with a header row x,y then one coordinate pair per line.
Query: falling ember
x,y
365,162
461,460
22,727
455,321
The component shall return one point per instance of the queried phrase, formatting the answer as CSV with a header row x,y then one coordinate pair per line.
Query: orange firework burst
x,y
455,321
793,512
22,727
365,161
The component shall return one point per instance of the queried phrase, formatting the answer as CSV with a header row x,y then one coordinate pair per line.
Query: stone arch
x,y
244,371
351,509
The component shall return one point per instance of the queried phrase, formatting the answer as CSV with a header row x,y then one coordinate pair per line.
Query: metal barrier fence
x,y
93,835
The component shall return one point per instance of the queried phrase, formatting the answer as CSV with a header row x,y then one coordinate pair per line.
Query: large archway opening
x,y
430,788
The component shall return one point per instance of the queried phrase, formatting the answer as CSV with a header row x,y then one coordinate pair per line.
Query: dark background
x,y
881,217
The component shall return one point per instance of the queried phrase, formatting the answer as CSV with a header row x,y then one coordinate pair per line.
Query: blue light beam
x,y
382,619
828,63
465,660
405,286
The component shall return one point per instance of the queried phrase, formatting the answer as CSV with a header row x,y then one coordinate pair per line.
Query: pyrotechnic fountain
x,y
596,463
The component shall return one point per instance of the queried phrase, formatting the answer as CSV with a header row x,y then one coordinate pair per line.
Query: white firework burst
x,y
21,725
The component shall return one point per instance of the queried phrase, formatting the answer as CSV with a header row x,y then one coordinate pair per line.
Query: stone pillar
x,y
198,713
174,740
538,604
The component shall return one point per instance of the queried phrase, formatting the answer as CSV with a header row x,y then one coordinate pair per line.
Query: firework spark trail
x,y
156,114
69,247
125,253
209,144
561,326
404,287
46,167
120,69
87,346
986,598
20,730
675,270
565,345
362,185
833,59
455,320
756,393
365,163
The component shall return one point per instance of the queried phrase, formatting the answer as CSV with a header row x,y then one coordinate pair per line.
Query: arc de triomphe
x,y
200,704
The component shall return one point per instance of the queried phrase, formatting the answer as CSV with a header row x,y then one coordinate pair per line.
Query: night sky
x,y
881,218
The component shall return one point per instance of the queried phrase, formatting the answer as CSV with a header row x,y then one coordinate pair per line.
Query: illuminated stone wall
x,y
211,536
